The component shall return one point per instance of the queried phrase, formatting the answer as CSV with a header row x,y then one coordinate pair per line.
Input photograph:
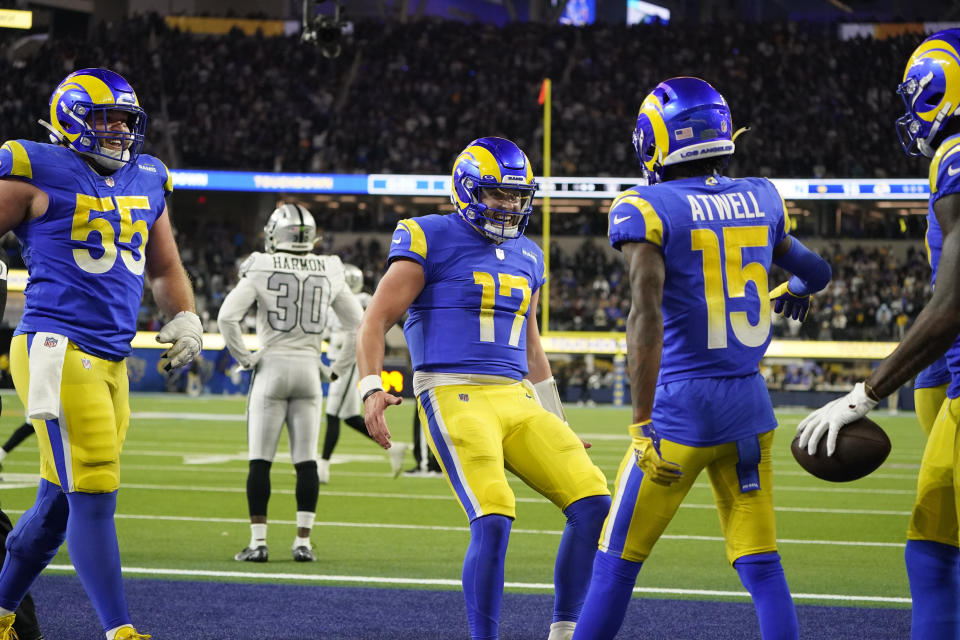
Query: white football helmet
x,y
290,228
353,277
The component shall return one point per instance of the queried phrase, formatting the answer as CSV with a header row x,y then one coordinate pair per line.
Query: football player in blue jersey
x,y
89,211
698,248
930,127
471,281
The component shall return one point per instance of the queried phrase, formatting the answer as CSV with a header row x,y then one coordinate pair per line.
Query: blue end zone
x,y
215,610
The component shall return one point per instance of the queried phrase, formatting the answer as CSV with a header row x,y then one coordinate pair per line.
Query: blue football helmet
x,y
931,92
78,117
682,119
494,169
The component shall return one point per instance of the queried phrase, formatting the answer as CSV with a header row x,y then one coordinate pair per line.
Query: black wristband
x,y
369,393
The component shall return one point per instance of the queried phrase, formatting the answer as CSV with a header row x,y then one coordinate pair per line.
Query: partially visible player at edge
x,y
471,281
343,395
90,213
698,248
930,127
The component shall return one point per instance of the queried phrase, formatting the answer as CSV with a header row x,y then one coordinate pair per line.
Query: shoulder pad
x,y
15,159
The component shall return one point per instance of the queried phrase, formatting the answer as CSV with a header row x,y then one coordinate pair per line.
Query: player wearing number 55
x,y
485,393
90,214
698,247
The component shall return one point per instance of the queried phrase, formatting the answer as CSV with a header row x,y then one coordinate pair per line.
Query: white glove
x,y
186,334
832,417
325,371
250,362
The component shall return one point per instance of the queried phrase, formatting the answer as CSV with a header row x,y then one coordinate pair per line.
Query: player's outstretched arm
x,y
938,325
935,329
811,273
232,310
174,295
399,287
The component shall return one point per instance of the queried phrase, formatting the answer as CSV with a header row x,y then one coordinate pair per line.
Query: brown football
x,y
862,446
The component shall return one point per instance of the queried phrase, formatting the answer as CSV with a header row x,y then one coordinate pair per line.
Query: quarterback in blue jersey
x,y
471,281
930,127
83,209
698,248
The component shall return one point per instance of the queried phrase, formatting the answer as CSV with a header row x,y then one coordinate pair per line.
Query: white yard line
x,y
455,583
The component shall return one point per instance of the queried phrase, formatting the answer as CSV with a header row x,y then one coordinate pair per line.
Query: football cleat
x,y
396,453
250,554
129,633
323,471
6,627
303,554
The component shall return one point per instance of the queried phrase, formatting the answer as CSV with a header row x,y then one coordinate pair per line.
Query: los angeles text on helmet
x,y
724,206
293,262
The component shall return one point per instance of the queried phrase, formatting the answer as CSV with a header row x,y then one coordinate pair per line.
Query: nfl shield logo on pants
x,y
464,397
50,342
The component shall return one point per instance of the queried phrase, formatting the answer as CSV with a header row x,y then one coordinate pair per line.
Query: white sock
x,y
112,632
562,630
301,542
305,519
258,535
3,454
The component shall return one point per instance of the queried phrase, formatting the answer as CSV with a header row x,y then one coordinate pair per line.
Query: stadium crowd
x,y
391,104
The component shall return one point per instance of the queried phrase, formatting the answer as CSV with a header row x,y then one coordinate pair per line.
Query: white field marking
x,y
29,481
172,416
522,499
463,529
456,583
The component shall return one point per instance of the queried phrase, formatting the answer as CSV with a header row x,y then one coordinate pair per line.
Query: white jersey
x,y
343,396
295,295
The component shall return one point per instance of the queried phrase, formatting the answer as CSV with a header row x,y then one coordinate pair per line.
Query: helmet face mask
x,y
290,228
931,92
493,188
87,115
681,120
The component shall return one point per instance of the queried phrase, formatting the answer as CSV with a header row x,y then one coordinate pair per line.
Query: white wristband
x,y
549,397
369,384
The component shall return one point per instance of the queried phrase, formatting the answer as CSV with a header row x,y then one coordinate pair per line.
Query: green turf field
x,y
182,512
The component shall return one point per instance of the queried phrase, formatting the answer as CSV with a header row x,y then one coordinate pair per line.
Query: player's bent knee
x,y
97,477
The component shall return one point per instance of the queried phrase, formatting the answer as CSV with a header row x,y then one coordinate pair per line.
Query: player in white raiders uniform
x,y
294,291
343,396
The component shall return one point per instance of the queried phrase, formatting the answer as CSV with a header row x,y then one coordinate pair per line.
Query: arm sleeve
x,y
811,273
234,307
349,312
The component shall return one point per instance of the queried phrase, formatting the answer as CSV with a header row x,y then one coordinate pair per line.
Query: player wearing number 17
x,y
698,248
485,394
90,214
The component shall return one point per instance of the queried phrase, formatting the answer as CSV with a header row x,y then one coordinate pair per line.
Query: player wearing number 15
x,y
698,247
471,281
90,215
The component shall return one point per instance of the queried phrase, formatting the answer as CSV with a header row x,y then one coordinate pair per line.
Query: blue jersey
x,y
717,237
944,180
471,316
85,255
